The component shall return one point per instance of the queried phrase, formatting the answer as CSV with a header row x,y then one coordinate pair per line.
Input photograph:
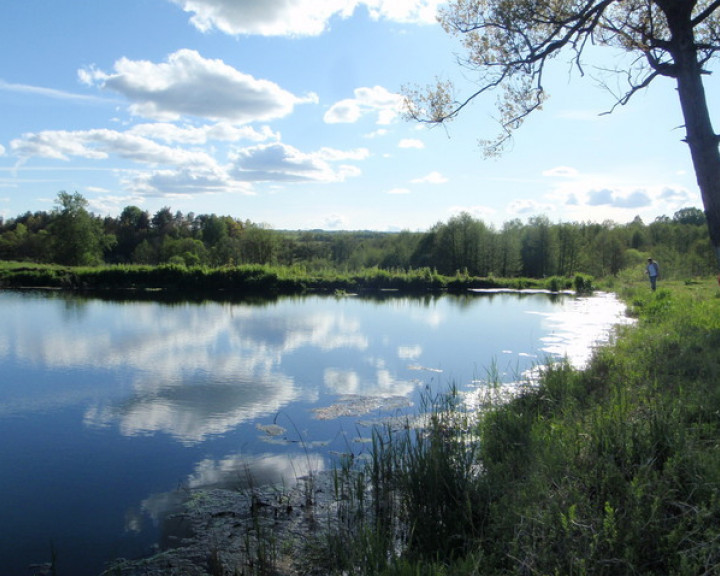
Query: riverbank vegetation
x,y
262,280
614,469
70,235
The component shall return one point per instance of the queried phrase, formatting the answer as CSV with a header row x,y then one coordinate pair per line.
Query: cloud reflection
x,y
237,473
192,370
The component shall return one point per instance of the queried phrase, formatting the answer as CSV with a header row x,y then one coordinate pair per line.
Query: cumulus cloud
x,y
100,144
411,143
297,17
605,197
334,222
175,170
185,181
562,172
674,195
478,211
222,132
600,197
376,100
187,84
431,178
283,163
524,206
377,133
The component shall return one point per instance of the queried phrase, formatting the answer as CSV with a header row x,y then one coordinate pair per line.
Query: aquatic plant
x,y
612,469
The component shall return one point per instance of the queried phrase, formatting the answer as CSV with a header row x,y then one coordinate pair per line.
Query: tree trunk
x,y
701,137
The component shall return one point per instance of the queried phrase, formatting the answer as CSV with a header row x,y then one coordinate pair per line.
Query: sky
x,y
289,113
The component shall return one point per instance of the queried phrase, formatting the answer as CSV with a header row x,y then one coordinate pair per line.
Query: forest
x,y
71,235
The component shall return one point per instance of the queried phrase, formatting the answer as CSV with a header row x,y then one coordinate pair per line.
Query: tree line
x,y
537,248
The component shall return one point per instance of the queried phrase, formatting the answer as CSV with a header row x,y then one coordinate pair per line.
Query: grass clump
x,y
611,470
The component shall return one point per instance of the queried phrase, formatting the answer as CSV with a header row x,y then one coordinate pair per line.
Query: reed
x,y
610,470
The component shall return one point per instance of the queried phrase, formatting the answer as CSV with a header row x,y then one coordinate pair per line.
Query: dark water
x,y
111,411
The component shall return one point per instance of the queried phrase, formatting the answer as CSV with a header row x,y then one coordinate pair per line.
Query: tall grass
x,y
255,279
610,470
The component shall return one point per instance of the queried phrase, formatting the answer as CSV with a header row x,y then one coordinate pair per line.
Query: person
x,y
653,271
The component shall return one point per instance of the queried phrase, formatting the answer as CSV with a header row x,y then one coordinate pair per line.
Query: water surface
x,y
111,410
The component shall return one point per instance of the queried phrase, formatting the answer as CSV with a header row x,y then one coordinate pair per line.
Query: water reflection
x,y
577,329
115,403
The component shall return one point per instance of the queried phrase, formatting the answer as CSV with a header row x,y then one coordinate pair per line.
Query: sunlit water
x,y
111,411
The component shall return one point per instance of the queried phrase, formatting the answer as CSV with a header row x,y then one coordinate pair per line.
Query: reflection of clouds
x,y
327,332
166,343
409,352
383,384
196,370
341,381
239,471
236,472
190,413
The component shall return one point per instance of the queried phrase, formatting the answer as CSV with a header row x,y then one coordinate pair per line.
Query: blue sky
x,y
288,112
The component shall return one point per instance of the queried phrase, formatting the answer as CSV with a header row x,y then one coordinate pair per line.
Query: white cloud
x,y
189,85
222,131
297,17
100,144
411,143
599,197
2,150
186,181
617,199
479,212
413,11
333,155
431,178
334,222
283,163
528,207
562,172
46,92
375,100
377,133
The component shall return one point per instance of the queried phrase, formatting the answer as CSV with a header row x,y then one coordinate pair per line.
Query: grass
x,y
611,470
263,280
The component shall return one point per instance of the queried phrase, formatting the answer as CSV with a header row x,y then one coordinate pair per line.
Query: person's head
x,y
649,259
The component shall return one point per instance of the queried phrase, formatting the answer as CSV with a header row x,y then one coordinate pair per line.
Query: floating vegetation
x,y
355,405
271,429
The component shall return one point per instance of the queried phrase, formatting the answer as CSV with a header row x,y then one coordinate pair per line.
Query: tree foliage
x,y
76,237
509,43
463,245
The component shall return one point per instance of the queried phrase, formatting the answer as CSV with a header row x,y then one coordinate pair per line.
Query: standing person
x,y
653,271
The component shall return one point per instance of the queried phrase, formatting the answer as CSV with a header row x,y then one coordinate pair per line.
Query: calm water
x,y
110,411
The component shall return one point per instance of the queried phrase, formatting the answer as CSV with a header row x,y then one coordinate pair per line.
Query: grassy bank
x,y
261,280
610,470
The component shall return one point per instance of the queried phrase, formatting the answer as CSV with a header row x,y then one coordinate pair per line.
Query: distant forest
x,y
71,235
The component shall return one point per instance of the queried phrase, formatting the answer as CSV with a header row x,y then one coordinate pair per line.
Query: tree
x,y
538,246
77,237
509,44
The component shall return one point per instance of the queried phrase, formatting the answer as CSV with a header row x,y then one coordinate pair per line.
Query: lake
x,y
110,410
